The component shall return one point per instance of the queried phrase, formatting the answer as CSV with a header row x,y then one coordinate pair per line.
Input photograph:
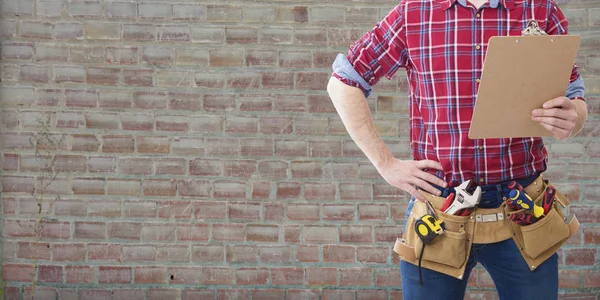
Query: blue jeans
x,y
502,260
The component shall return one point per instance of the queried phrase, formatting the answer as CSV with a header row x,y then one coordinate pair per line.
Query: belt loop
x,y
500,193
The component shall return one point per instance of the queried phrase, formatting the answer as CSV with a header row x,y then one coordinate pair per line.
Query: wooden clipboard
x,y
519,74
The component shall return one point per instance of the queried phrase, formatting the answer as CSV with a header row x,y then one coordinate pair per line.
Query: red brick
x,y
276,254
230,189
355,191
153,144
16,140
104,208
307,253
591,235
241,35
276,125
218,275
198,188
32,73
85,142
569,279
273,211
291,148
580,257
277,36
188,12
223,294
138,253
303,212
251,102
278,80
115,100
261,58
124,230
18,272
88,186
219,102
17,184
122,55
185,275
175,33
90,230
159,294
79,274
33,250
172,123
41,292
103,76
193,232
12,293
340,254
50,273
211,210
10,162
139,32
172,253
70,120
228,232
104,252
377,255
217,13
309,36
321,276
355,234
102,121
288,190
170,166
81,98
137,122
586,214
324,60
226,58
387,234
373,212
320,234
356,276
123,187
56,230
268,294
338,212
158,232
135,165
138,77
244,210
150,275
160,187
262,233
208,253
388,277
256,147
117,144
292,233
252,276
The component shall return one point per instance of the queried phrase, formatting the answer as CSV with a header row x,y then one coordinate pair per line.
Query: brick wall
x,y
180,149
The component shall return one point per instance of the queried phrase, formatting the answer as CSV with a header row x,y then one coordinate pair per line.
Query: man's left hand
x,y
559,116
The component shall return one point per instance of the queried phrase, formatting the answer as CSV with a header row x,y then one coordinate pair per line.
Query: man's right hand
x,y
408,175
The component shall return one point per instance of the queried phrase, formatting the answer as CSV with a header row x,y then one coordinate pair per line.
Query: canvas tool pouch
x,y
448,252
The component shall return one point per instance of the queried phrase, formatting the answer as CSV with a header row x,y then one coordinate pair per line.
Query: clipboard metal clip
x,y
533,28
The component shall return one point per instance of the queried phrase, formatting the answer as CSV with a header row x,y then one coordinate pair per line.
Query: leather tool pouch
x,y
448,253
539,241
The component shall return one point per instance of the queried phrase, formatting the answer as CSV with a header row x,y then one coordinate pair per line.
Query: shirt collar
x,y
508,4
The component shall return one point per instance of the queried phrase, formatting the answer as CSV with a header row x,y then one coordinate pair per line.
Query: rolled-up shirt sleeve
x,y
380,52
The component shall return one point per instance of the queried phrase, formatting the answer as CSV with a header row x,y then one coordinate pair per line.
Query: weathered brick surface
x,y
188,150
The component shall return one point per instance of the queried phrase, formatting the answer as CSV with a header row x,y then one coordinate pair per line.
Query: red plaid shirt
x,y
442,44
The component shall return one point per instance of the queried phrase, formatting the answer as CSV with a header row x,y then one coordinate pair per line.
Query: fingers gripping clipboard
x,y
519,74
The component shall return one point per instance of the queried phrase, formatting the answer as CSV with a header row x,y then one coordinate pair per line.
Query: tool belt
x,y
449,252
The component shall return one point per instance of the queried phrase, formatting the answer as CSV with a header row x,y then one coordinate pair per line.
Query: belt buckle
x,y
489,217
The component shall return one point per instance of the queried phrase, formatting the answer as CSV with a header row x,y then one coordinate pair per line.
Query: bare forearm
x,y
354,111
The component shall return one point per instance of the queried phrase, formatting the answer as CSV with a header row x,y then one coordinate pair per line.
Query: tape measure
x,y
428,228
